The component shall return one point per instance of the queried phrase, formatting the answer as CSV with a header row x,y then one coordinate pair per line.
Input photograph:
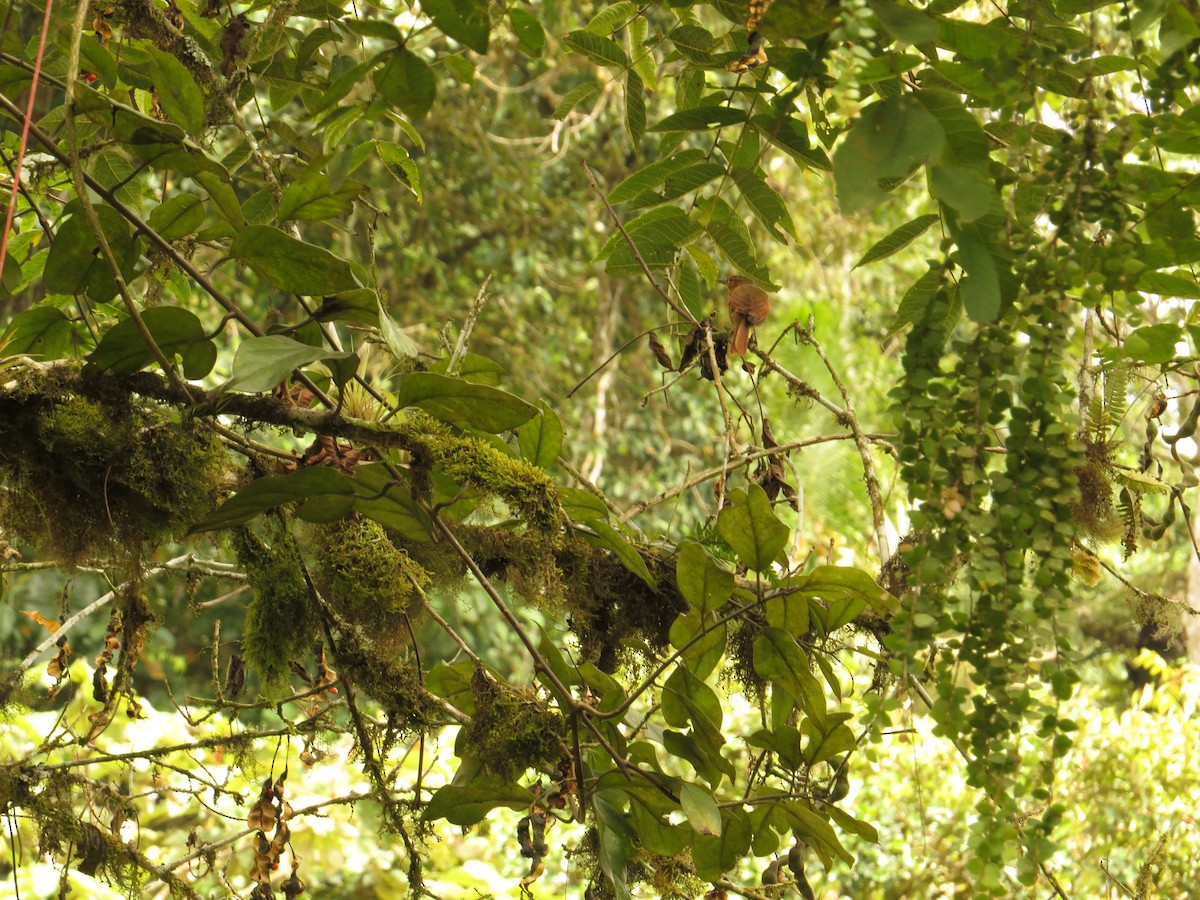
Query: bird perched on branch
x,y
748,306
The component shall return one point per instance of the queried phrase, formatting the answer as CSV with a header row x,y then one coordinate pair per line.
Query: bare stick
x,y
460,348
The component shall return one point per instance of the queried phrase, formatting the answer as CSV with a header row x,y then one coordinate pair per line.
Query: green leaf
x,y
1167,284
43,331
263,362
981,288
898,239
122,350
464,20
407,82
467,805
890,139
531,36
789,612
610,18
357,307
693,42
779,659
701,118
851,825
831,583
790,135
292,265
656,835
400,344
602,51
394,154
1153,344
177,91
766,205
607,536
582,506
457,400
704,646
222,195
715,855
635,107
736,249
616,839
380,497
749,525
686,699
540,439
650,177
311,198
180,216
574,97
700,808
265,494
76,264
826,743
904,22
809,827
703,583
968,192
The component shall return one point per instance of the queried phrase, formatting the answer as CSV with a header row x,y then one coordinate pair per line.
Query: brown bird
x,y
748,306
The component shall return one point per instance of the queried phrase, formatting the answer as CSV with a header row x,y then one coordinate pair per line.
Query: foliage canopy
x,y
235,230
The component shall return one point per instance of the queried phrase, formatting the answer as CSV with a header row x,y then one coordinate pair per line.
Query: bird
x,y
748,306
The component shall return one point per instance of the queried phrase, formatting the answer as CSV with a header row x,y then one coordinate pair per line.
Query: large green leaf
x,y
263,362
43,331
898,239
469,804
600,533
603,51
779,659
701,118
650,177
766,205
831,583
714,855
177,91
122,350
540,439
289,264
464,20
180,216
751,528
531,36
76,264
267,493
407,81
703,583
457,400
701,809
890,139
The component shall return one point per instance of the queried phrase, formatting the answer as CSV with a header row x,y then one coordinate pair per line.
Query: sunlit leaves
x,y
177,91
467,805
263,362
749,525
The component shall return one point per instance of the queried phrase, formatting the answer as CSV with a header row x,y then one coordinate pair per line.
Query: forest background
x,y
383,510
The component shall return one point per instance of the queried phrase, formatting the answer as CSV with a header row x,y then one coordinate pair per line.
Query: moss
x,y
93,475
472,461
610,606
393,683
510,731
282,623
366,576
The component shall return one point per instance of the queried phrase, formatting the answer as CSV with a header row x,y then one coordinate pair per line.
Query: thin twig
x,y
460,347
808,336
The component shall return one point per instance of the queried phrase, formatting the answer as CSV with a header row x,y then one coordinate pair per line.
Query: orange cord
x,y
12,200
